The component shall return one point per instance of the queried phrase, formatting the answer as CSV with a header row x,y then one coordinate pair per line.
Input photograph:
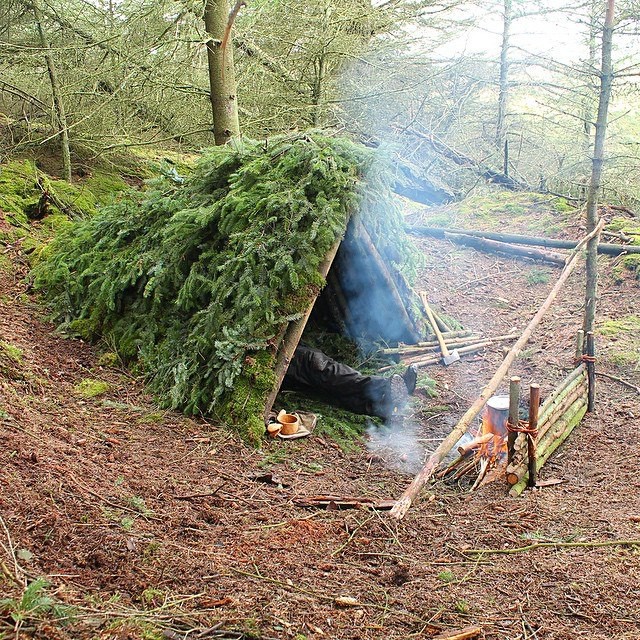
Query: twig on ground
x,y
540,545
208,494
115,505
10,551
620,380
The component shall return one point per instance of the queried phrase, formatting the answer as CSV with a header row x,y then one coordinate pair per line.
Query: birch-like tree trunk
x,y
503,87
222,79
56,91
606,81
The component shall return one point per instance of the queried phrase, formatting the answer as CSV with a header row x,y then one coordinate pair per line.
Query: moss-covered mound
x,y
197,278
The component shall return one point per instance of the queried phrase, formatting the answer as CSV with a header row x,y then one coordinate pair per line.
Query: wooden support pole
x,y
514,405
292,336
534,405
591,371
404,503
579,346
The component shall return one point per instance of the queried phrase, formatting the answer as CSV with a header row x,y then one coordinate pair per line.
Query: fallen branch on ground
x,y
542,545
493,246
620,380
603,247
343,502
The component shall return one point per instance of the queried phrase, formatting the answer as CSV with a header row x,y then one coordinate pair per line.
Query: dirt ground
x,y
152,525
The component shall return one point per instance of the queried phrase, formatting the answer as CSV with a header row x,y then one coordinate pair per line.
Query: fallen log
x,y
493,246
513,238
404,503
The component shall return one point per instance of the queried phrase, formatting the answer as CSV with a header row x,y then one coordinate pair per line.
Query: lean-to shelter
x,y
207,282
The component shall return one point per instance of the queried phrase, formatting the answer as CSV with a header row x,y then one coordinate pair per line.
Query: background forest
x,y
509,85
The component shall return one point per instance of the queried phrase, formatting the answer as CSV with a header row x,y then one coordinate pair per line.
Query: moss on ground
x,y
621,344
22,185
497,210
89,388
8,350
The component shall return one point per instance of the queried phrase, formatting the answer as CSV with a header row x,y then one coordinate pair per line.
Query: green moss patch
x,y
89,388
621,342
196,279
8,350
498,210
22,186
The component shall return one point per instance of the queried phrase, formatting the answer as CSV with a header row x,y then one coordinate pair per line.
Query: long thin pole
x,y
404,503
532,436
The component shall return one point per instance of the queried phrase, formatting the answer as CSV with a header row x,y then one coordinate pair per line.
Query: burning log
x,y
409,495
475,443
493,246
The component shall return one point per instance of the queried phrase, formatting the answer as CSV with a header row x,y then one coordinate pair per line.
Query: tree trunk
x,y
56,91
503,92
606,80
222,79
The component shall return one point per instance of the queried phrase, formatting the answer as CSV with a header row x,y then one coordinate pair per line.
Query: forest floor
x,y
146,524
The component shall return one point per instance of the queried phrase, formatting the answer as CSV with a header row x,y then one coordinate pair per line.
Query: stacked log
x,y
558,416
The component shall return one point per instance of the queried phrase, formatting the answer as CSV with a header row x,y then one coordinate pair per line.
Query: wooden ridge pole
x,y
404,502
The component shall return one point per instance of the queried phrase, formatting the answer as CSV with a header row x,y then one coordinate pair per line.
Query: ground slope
x,y
152,523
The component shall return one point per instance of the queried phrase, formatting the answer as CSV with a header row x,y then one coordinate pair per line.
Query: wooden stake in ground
x,y
404,503
512,425
534,405
590,357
